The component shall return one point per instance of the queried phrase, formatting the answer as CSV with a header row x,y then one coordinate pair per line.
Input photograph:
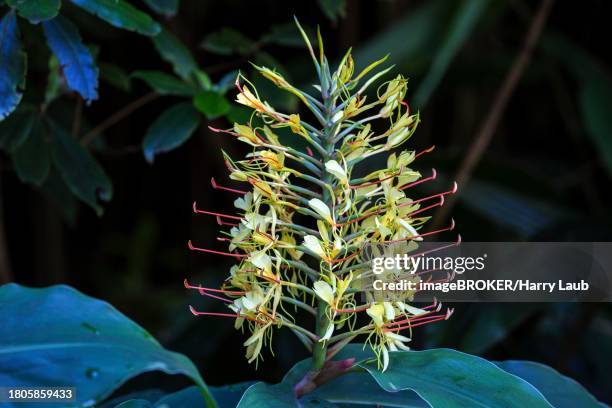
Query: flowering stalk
x,y
304,216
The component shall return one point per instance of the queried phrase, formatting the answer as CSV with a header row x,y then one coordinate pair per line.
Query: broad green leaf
x,y
229,395
165,84
175,52
80,170
228,41
15,129
32,159
333,8
462,24
262,395
36,10
121,14
12,65
211,104
135,403
188,397
448,378
77,63
226,82
57,336
115,76
57,192
170,130
559,390
166,7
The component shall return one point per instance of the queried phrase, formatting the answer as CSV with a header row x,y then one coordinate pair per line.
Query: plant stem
x,y
319,349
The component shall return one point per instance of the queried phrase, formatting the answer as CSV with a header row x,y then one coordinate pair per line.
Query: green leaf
x,y
462,24
165,84
57,192
170,130
188,397
333,8
202,79
120,14
81,172
32,159
115,76
262,395
228,41
449,378
211,104
166,7
175,52
230,395
135,403
15,129
77,63
36,10
559,390
57,336
12,65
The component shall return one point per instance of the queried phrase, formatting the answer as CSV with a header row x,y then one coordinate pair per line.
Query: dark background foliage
x,y
545,176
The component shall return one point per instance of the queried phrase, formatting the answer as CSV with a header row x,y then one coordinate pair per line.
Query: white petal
x,y
336,169
311,242
324,291
322,209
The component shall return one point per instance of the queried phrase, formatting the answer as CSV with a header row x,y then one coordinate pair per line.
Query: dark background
x,y
544,177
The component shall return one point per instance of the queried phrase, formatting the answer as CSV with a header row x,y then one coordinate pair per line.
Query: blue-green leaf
x,y
229,395
166,7
32,159
36,10
12,65
77,62
211,104
57,336
165,84
175,52
15,129
135,403
559,390
81,172
170,130
448,378
262,395
121,14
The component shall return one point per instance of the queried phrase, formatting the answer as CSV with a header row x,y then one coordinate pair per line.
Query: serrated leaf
x,y
15,129
228,41
36,10
166,7
79,169
32,159
175,52
170,130
211,104
12,65
333,8
165,84
115,76
75,59
121,14
91,347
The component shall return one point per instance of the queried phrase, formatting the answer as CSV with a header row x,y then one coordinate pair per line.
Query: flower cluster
x,y
305,214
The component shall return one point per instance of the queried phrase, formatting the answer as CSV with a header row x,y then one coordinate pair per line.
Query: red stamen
x,y
219,187
197,211
221,222
309,151
370,183
210,251
196,313
228,292
433,176
425,151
